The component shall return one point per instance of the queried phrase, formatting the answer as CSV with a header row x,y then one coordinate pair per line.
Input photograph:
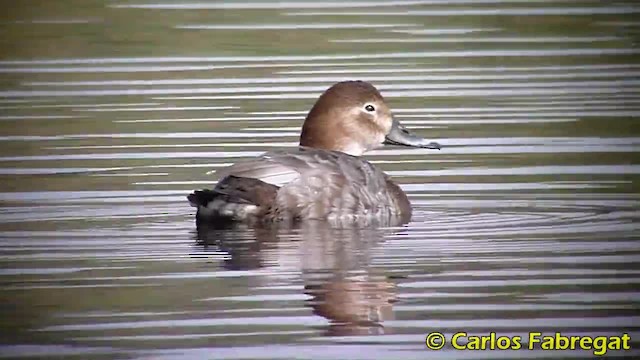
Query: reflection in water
x,y
345,289
243,244
336,269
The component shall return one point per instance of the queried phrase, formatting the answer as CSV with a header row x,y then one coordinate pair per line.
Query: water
x,y
526,220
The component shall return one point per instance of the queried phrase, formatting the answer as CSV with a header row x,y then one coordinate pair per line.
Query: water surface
x,y
526,220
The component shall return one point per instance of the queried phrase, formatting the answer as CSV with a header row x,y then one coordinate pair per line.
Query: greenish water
x,y
526,220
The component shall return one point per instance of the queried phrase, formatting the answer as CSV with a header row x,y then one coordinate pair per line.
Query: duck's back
x,y
304,184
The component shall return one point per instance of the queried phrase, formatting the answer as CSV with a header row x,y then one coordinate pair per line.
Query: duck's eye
x,y
369,108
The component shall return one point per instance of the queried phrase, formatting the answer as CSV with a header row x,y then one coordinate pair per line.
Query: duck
x,y
324,178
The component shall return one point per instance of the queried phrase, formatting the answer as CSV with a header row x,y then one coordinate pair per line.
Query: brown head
x,y
352,117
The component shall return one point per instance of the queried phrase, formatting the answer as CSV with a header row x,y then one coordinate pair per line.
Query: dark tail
x,y
234,199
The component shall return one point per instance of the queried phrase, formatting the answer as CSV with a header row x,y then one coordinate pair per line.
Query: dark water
x,y
526,221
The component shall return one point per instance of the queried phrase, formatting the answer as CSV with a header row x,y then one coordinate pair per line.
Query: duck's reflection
x,y
245,245
344,286
336,265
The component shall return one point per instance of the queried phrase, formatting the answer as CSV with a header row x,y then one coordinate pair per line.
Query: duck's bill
x,y
399,135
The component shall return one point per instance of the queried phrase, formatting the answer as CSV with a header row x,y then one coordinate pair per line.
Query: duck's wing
x,y
276,168
283,167
261,169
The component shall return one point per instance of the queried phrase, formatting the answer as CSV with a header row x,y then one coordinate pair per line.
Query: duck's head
x,y
352,117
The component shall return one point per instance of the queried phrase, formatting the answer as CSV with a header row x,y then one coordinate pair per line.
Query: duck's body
x,y
304,183
323,179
